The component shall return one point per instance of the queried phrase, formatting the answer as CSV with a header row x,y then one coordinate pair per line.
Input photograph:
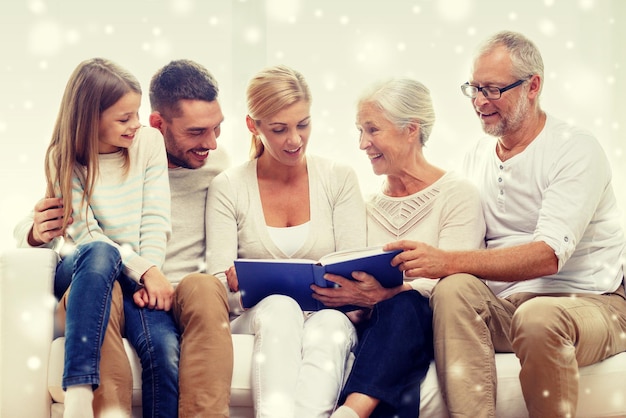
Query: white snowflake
x,y
33,363
45,38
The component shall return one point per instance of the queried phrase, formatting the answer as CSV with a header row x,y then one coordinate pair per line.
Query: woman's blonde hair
x,y
270,91
94,86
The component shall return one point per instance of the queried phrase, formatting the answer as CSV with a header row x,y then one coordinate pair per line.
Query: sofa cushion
x,y
602,388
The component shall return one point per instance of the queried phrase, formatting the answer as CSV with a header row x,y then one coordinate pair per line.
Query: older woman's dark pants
x,y
393,355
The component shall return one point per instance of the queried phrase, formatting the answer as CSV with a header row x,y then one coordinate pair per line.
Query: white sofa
x,y
31,362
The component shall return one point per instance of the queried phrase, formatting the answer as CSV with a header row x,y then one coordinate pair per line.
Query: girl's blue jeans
x,y
156,339
91,270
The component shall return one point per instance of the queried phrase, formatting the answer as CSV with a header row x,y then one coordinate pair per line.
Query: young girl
x,y
286,204
110,175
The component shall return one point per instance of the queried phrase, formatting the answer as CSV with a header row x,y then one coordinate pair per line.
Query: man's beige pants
x,y
551,334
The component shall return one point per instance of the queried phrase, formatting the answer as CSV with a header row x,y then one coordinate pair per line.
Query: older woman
x,y
284,203
417,201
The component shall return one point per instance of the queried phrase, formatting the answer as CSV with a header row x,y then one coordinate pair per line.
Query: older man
x,y
552,278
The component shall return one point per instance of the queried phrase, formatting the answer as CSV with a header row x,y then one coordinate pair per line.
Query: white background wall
x,y
340,47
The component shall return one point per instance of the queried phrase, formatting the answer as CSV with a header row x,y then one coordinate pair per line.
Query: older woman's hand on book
x,y
362,290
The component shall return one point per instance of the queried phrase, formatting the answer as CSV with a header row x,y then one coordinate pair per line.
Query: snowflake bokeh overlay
x,y
340,47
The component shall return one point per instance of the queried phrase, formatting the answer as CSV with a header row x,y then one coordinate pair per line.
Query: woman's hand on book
x,y
231,278
362,290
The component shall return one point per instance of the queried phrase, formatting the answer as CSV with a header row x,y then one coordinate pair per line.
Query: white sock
x,y
344,412
78,402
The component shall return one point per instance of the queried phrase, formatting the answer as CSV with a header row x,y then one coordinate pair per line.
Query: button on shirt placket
x,y
500,181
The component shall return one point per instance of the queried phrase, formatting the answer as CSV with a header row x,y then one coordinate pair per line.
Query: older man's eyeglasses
x,y
490,92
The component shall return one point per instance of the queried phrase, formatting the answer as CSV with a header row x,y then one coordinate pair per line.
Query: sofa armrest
x,y
26,328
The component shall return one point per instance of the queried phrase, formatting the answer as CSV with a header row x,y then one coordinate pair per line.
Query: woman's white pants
x,y
299,358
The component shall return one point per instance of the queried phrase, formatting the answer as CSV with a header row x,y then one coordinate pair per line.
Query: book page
x,y
347,255
277,260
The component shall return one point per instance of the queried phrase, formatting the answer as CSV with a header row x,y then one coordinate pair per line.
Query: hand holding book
x,y
362,290
231,279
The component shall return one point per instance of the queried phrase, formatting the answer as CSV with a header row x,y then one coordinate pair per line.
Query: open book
x,y
259,278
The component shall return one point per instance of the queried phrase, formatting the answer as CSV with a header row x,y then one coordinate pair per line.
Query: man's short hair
x,y
179,80
525,55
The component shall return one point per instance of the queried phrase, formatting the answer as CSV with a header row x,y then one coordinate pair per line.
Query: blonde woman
x,y
284,203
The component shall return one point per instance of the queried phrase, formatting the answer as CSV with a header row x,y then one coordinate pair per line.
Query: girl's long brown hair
x,y
94,86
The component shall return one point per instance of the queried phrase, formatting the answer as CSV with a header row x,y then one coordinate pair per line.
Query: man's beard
x,y
513,122
172,159
170,143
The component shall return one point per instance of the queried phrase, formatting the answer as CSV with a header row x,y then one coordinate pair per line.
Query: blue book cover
x,y
259,278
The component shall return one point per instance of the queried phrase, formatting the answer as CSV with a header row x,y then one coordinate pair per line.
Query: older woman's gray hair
x,y
403,101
